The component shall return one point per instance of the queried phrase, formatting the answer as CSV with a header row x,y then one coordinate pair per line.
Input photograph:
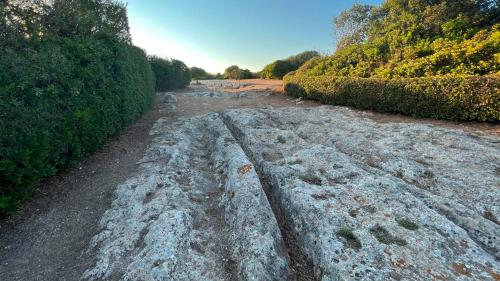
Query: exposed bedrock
x,y
379,201
244,194
195,211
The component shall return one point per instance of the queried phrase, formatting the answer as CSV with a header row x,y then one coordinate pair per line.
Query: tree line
x,y
280,68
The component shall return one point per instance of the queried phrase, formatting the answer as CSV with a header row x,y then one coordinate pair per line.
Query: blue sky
x,y
219,33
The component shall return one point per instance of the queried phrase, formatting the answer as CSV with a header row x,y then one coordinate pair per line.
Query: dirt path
x,y
45,240
109,218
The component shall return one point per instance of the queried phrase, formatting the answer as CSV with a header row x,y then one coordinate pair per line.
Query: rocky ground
x,y
248,185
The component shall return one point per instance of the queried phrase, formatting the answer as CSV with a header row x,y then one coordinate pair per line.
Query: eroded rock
x,y
192,213
365,201
378,201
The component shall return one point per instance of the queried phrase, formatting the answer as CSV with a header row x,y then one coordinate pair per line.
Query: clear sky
x,y
214,34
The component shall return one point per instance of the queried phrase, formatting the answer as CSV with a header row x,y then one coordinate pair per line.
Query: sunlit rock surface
x,y
366,201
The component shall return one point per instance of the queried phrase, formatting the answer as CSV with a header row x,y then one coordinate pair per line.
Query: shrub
x,y
401,57
446,97
280,68
415,38
169,74
478,55
276,70
200,74
67,84
234,72
60,102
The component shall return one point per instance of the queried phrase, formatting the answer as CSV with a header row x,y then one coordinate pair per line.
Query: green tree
x,y
200,74
235,72
170,74
232,72
425,58
246,74
351,26
280,68
67,18
413,38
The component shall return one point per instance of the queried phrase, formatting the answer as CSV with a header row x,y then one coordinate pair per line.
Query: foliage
x,y
350,237
438,59
351,26
234,72
69,80
200,74
478,55
280,68
447,97
37,19
408,224
415,38
170,74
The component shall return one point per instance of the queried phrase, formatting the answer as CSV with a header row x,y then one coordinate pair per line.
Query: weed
x,y
400,174
487,214
281,139
348,235
296,162
383,236
429,179
408,224
429,174
311,179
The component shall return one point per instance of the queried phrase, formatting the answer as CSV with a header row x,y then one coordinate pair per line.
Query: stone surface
x,y
355,190
254,236
365,200
195,211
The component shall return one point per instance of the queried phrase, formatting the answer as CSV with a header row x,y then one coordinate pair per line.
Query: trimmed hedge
x,y
448,97
60,100
170,74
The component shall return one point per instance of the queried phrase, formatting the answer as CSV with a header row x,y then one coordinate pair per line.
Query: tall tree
x,y
351,26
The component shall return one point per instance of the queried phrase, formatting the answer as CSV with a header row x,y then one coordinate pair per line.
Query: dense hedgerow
x,y
280,68
67,84
170,74
437,59
447,97
61,101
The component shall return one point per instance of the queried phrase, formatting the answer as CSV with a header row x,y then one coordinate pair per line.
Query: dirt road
x,y
226,181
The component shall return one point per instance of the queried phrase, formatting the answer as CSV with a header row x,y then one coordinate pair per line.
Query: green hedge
x,y
280,68
456,98
170,74
60,100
